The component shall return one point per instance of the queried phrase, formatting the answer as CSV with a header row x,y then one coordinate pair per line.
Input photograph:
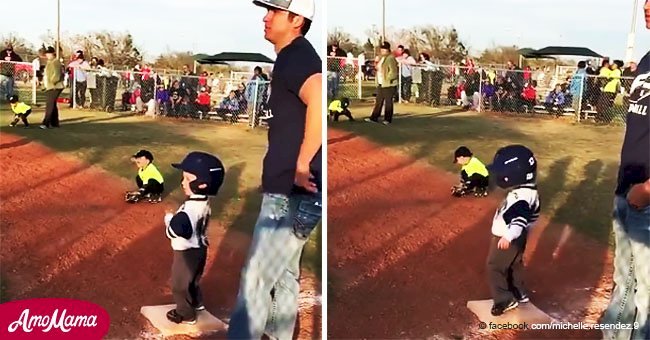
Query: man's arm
x,y
311,94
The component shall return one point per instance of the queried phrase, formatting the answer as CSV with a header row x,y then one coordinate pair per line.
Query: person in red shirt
x,y
527,72
528,97
203,103
399,51
146,72
203,79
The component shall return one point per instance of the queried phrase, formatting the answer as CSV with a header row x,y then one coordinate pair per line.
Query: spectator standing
x,y
406,65
612,86
53,88
577,85
79,68
386,79
8,58
291,178
630,299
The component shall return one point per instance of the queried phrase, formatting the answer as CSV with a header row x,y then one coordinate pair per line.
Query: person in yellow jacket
x,y
474,175
149,180
21,111
611,87
340,107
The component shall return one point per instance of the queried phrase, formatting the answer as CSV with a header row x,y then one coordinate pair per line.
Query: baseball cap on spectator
x,y
385,45
304,8
50,49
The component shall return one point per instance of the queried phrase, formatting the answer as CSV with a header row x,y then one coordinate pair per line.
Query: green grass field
x,y
108,141
577,163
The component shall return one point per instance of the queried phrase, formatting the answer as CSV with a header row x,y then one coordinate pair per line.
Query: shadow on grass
x,y
410,290
74,119
97,143
434,136
589,205
423,132
15,144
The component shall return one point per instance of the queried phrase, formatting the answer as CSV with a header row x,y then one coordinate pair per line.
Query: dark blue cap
x,y
206,167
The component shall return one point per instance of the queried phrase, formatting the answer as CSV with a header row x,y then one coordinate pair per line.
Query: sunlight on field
x,y
109,140
577,162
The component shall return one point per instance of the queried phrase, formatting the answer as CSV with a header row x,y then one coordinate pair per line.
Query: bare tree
x,y
174,60
22,47
345,41
117,49
500,55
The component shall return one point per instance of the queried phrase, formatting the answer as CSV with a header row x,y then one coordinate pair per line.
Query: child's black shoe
x,y
502,307
155,199
481,192
132,196
174,317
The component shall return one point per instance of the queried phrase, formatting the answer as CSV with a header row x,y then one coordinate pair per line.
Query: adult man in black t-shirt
x,y
291,178
630,301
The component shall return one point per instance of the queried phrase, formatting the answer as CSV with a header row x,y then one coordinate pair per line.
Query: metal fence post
x,y
359,82
73,87
399,82
154,78
480,90
257,86
34,81
579,110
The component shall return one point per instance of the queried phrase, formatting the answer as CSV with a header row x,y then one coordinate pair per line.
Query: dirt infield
x,y
66,232
404,256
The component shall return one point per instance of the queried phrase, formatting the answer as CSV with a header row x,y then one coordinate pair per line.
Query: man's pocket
x,y
308,216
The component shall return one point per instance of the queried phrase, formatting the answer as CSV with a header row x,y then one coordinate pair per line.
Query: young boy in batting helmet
x,y
203,175
149,180
515,169
21,111
474,176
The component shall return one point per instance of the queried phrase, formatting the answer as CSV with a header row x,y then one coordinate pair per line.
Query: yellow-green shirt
x,y
475,166
336,106
150,172
493,76
604,72
20,108
614,79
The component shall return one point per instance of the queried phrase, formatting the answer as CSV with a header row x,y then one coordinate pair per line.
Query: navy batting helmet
x,y
513,165
208,170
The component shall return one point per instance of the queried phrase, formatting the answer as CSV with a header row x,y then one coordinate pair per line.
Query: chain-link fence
x,y
241,75
345,78
19,78
563,92
170,95
559,91
156,93
438,85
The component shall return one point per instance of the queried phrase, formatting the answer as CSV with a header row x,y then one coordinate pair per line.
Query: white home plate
x,y
206,323
525,312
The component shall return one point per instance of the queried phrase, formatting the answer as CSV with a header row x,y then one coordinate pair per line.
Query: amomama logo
x,y
52,319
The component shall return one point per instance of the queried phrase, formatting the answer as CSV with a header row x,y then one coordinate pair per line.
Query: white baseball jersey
x,y
188,227
519,212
